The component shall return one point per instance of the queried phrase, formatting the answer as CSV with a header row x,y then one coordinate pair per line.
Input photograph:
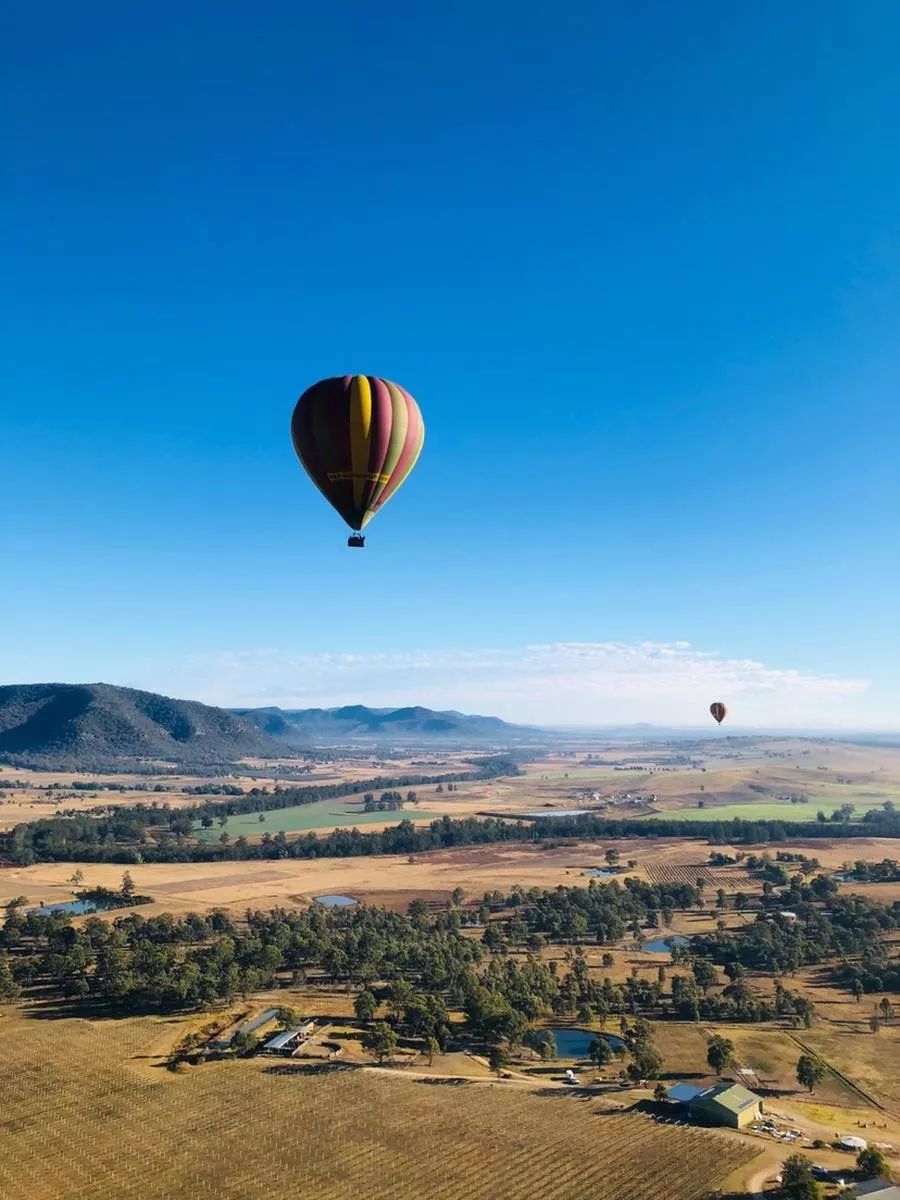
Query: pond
x,y
662,945
76,908
599,873
575,1043
335,901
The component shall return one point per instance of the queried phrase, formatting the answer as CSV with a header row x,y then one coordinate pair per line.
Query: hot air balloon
x,y
718,710
358,438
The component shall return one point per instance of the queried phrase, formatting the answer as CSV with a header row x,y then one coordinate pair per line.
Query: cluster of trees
x,y
886,871
163,963
389,801
410,969
781,942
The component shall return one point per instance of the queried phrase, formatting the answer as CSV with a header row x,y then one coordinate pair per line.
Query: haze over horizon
x,y
640,272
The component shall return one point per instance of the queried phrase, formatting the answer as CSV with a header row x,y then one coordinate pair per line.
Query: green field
x,y
761,811
323,814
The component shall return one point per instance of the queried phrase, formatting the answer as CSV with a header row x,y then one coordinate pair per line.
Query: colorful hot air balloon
x,y
718,710
358,438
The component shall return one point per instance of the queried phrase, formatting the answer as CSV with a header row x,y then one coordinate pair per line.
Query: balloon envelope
x,y
358,438
719,711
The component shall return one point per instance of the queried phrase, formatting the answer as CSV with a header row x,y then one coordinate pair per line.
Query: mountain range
x,y
97,726
353,722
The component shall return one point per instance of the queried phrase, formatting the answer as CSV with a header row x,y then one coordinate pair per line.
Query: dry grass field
x,y
394,880
78,1120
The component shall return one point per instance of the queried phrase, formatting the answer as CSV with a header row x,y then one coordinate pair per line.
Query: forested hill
x,y
97,726
356,721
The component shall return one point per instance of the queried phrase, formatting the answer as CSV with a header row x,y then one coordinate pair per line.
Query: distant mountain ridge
x,y
90,726
355,721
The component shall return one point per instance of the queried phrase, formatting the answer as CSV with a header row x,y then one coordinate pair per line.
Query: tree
x,y
77,878
720,1053
432,1047
872,1164
659,1093
380,1040
244,1043
365,1005
887,1009
9,989
457,896
705,974
797,1182
600,1053
498,1059
858,990
128,888
809,1071
612,857
645,1063
261,818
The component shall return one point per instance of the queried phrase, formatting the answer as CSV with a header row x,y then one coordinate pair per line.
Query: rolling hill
x,y
95,726
356,721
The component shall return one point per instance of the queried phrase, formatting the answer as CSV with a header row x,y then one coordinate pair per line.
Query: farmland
x,y
662,872
83,1116
761,811
323,814
74,1092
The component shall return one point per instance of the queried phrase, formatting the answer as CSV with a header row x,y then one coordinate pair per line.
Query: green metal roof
x,y
732,1097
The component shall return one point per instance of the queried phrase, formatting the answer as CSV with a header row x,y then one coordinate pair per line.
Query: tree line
x,y
144,833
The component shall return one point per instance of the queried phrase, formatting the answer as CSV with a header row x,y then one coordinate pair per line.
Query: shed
x,y
727,1104
287,1041
878,1189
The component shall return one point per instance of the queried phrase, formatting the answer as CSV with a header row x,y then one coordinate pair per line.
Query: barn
x,y
724,1104
727,1104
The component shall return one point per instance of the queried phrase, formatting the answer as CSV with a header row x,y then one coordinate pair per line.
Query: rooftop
x,y
878,1189
280,1040
731,1096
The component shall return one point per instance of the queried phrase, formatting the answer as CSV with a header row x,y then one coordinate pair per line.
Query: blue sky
x,y
638,264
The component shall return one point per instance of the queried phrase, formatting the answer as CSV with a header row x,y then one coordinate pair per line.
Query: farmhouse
x,y
724,1104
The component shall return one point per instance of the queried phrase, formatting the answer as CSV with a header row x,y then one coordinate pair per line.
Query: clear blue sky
x,y
638,263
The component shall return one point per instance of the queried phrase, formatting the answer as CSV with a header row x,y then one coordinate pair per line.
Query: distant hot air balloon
x,y
718,710
358,438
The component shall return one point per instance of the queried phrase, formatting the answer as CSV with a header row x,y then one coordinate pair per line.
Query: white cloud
x,y
558,683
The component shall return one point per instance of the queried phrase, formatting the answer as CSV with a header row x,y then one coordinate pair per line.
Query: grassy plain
x,y
323,814
83,1115
760,811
